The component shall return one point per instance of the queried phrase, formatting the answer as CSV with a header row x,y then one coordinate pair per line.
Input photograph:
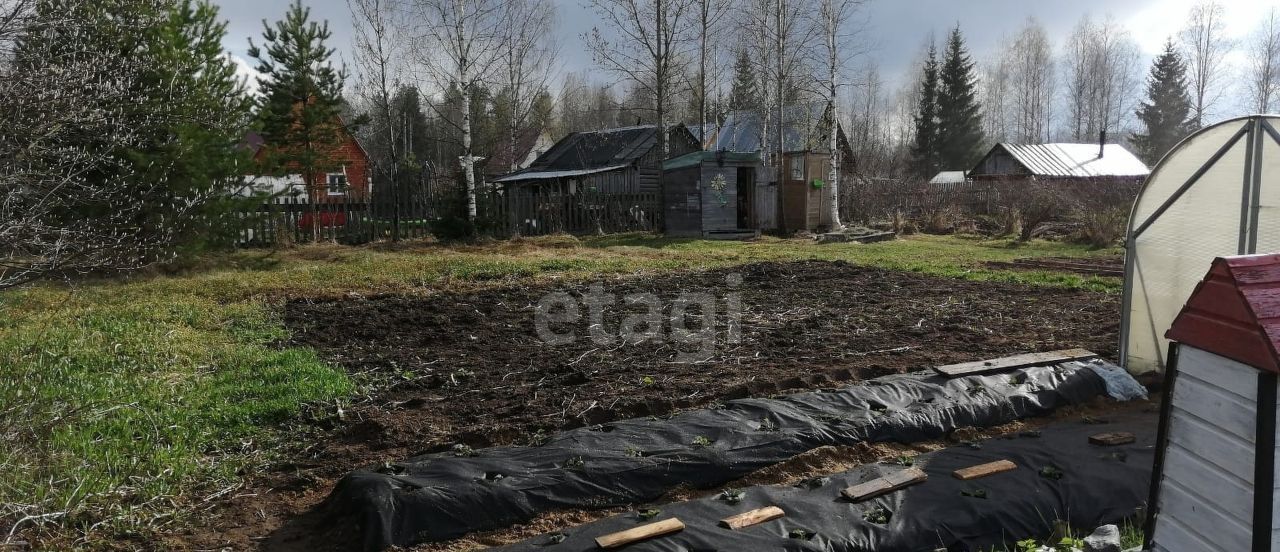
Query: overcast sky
x,y
895,28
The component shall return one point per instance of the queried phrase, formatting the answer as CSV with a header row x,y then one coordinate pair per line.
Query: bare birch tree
x,y
709,23
1030,66
1205,48
1263,79
834,20
377,55
649,47
458,43
1101,67
527,50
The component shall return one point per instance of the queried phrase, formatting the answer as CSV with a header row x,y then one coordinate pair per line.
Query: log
x,y
983,470
883,485
637,534
753,517
1013,362
1112,439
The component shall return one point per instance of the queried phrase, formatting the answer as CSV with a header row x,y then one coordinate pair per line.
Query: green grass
x,y
121,403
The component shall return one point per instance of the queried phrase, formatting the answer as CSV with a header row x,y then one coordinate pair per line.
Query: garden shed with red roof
x,y
1214,481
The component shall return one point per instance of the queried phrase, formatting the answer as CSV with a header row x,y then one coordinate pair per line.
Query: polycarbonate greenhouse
x,y
1216,194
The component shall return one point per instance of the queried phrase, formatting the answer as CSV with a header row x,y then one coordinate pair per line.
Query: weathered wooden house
x,y
590,181
513,155
1059,162
797,199
710,194
1214,482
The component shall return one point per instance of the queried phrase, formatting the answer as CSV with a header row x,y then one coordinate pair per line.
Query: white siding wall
x,y
1206,490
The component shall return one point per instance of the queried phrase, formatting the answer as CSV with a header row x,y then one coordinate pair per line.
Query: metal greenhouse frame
x,y
1186,214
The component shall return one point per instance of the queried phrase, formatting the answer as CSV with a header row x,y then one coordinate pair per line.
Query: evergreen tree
x,y
300,108
163,116
924,150
960,136
1166,114
743,95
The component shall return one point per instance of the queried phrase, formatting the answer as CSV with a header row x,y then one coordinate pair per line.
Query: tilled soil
x,y
473,370
476,371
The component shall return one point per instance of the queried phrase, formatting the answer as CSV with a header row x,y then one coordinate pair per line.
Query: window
x,y
797,167
337,182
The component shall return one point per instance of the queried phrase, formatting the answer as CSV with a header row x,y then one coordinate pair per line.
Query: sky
x,y
895,29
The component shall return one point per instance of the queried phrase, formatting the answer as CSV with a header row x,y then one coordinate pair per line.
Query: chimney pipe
x,y
1102,142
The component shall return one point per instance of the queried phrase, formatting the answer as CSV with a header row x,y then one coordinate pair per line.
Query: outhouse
x,y
710,194
1213,483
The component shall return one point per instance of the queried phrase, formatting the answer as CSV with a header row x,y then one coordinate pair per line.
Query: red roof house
x,y
1235,311
349,179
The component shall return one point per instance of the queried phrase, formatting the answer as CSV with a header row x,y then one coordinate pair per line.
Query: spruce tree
x,y
743,95
1166,115
960,136
924,150
300,104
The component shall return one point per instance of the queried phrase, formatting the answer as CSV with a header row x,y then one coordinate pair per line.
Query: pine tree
x,y
744,95
924,150
960,136
1166,114
299,111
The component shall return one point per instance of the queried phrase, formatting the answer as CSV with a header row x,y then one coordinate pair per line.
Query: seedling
x,y
732,496
1018,379
493,476
539,438
976,389
633,452
768,425
906,460
462,450
701,441
648,513
391,469
813,482
1051,472
647,381
802,534
976,493
877,515
575,463
557,538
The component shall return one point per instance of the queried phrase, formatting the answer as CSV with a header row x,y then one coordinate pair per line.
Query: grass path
x,y
121,403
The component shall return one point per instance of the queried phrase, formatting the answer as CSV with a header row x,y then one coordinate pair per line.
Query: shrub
x,y
1101,228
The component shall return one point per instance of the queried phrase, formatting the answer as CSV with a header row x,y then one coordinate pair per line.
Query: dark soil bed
x,y
476,372
471,368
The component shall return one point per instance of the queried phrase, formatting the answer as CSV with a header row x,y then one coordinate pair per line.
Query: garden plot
x,y
472,369
442,496
1060,474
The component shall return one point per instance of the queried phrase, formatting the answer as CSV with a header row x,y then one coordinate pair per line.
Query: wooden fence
x,y
499,213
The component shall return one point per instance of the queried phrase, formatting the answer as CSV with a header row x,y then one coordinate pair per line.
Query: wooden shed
x,y
607,180
1213,484
710,194
799,198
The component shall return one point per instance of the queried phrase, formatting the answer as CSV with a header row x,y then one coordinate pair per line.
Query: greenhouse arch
x,y
1217,193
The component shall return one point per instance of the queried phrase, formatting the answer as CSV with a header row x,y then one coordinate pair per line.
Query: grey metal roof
x,y
546,175
948,177
802,130
1075,160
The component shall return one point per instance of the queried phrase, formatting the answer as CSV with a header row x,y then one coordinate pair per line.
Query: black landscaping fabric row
x,y
442,496
1059,477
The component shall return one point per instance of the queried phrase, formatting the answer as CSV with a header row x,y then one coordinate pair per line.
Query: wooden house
x,y
1059,162
347,178
1214,484
797,198
588,179
710,194
517,155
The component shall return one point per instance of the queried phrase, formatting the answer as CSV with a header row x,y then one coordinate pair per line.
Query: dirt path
x,y
473,369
